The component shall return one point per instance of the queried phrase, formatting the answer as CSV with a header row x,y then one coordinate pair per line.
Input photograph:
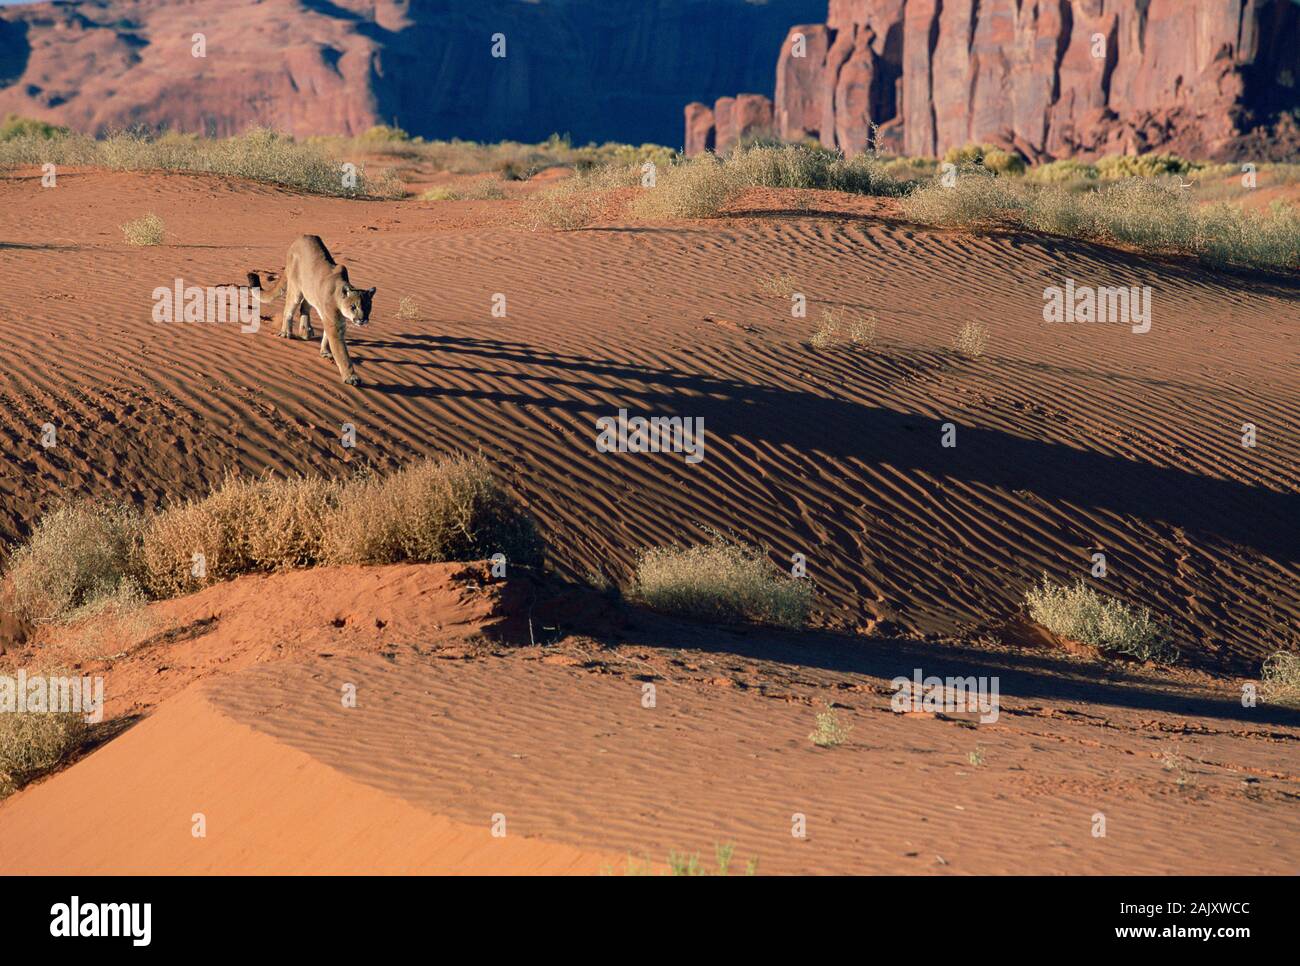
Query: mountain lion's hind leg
x,y
324,343
304,322
293,303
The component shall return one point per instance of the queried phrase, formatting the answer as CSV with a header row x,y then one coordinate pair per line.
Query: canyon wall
x,y
1050,78
598,69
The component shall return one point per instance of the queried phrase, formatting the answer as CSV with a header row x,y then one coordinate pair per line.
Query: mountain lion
x,y
312,280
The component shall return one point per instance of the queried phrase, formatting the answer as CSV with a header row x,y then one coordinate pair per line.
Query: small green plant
x,y
1080,613
971,340
680,863
148,230
1173,761
976,757
829,732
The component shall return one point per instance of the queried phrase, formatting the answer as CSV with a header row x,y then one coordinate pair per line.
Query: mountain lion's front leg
x,y
335,330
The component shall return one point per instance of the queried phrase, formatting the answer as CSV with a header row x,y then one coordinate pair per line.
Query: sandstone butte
x,y
1049,78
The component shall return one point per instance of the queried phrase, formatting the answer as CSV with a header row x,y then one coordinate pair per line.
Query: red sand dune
x,y
1071,439
449,730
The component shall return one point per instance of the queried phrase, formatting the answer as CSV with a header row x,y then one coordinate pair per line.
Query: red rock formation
x,y
700,128
732,120
599,69
1051,78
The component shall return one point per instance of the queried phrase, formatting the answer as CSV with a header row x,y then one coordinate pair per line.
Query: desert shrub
x,y
702,186
87,561
1228,235
35,742
1063,171
1151,214
699,187
485,189
564,207
720,581
1080,613
1120,166
77,555
829,731
441,194
385,134
971,340
259,155
1279,678
1148,214
145,231
782,285
988,156
407,309
14,127
243,526
905,169
975,197
839,324
451,509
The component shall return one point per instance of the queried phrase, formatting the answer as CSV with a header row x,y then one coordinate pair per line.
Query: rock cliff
x,y
1051,78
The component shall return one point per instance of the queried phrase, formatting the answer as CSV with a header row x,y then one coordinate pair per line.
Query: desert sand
x,y
1071,440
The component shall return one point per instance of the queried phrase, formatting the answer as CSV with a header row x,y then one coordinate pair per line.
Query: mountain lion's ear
x,y
371,293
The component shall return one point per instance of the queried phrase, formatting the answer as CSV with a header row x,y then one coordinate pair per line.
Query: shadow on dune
x,y
1250,516
1024,675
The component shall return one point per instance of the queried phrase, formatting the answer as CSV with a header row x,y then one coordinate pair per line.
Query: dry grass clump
x,y
407,309
148,230
1151,214
829,732
77,555
783,285
35,742
971,340
243,526
977,197
511,160
565,207
989,156
441,194
700,187
1081,614
723,582
259,155
88,562
1279,678
451,509
838,324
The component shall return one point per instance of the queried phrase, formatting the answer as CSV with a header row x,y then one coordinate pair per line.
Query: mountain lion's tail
x,y
254,281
